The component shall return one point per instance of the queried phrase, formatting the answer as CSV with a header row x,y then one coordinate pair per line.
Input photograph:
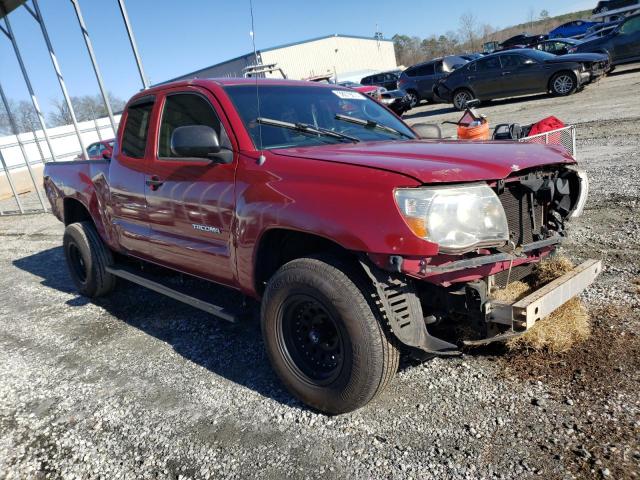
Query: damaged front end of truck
x,y
489,234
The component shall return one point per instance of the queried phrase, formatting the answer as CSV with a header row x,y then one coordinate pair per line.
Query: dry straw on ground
x,y
558,332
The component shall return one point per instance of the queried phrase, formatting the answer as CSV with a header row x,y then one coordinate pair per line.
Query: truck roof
x,y
235,81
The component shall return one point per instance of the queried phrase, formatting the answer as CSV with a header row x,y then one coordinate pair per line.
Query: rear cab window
x,y
136,129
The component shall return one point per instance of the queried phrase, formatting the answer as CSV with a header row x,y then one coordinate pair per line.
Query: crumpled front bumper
x,y
523,314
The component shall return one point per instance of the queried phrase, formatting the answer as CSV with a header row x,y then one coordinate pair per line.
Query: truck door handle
x,y
154,183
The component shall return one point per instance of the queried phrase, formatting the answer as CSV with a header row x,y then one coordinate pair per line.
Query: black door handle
x,y
154,183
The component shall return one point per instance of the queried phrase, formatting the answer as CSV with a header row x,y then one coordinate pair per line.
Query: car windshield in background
x,y
312,108
349,84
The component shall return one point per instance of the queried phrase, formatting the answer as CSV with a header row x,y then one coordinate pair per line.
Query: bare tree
x,y
5,127
408,49
469,36
60,114
86,107
531,17
24,115
469,30
488,32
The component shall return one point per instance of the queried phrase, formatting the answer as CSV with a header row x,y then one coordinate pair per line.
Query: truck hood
x,y
439,161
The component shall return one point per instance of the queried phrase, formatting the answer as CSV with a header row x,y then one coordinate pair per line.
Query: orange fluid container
x,y
481,132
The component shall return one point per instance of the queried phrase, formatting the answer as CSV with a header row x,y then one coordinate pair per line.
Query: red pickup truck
x,y
359,239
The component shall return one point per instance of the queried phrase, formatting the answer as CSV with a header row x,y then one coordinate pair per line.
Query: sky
x,y
177,37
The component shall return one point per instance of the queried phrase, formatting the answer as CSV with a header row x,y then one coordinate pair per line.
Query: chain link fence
x,y
563,136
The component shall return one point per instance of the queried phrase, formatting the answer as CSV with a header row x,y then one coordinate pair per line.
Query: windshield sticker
x,y
347,95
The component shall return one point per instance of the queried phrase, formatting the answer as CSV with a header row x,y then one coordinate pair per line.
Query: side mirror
x,y
427,130
106,155
199,142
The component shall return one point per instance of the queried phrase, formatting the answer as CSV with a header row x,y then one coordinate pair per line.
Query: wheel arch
x,y
75,211
278,246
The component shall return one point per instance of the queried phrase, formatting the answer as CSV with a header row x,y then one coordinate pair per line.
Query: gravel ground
x,y
139,386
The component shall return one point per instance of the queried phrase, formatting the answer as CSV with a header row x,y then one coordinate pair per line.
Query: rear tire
x,y
88,258
414,99
324,338
461,97
563,84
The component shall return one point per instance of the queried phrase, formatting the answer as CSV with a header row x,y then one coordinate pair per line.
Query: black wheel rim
x,y
311,340
77,263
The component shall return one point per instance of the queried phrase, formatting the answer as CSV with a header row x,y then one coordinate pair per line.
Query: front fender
x,y
353,206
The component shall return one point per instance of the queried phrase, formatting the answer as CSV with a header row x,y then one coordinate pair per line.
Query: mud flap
x,y
401,308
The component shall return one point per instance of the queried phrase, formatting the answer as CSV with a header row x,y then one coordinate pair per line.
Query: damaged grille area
x,y
524,218
537,204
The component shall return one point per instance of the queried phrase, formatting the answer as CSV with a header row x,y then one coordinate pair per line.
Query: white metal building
x,y
351,57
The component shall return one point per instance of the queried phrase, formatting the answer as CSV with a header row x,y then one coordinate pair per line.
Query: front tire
x,y
88,258
563,84
461,97
324,339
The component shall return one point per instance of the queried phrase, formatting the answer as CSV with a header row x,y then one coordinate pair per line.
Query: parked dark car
x,y
397,100
622,45
557,46
521,41
520,72
574,28
99,150
598,27
418,80
606,6
601,32
388,80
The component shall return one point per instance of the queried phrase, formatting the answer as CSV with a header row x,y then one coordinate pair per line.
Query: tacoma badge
x,y
205,228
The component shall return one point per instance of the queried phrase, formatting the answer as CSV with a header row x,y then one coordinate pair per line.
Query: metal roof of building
x,y
284,45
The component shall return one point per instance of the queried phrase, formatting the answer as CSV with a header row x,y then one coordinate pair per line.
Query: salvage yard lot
x,y
139,386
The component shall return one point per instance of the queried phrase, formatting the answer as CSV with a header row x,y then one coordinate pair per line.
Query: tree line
x,y
471,34
86,107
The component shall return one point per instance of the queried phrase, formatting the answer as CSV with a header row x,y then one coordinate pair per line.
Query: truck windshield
x,y
317,107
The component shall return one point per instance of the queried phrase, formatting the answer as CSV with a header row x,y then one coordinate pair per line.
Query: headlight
x,y
457,218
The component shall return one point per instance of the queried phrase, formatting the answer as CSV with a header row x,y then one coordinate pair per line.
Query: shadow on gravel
x,y
429,113
623,72
233,351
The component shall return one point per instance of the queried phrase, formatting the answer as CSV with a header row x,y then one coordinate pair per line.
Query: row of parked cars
x,y
560,66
